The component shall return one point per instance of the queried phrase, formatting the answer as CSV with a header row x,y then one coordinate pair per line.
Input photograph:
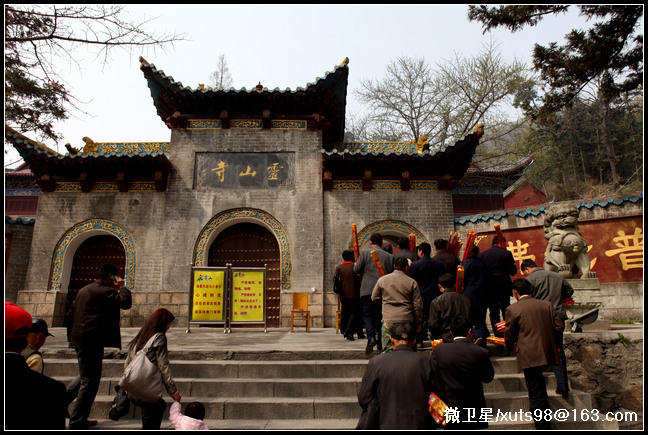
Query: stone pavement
x,y
276,340
205,340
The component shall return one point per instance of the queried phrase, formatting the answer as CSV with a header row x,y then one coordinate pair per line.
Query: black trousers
x,y
351,317
152,413
90,361
538,399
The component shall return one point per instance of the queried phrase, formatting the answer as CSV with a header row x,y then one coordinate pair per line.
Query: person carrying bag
x,y
142,379
147,369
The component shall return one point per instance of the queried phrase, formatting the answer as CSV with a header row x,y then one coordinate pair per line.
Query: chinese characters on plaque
x,y
247,297
244,171
208,295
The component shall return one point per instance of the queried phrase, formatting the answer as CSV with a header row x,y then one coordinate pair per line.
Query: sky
x,y
284,46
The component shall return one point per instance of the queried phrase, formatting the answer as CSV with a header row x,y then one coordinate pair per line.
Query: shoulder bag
x,y
142,379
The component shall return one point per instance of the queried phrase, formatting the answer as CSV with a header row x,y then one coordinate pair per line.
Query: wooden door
x,y
88,259
251,245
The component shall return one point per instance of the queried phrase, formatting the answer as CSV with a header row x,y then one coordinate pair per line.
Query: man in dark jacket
x,y
553,287
501,266
351,316
426,272
446,307
95,326
475,289
461,367
401,381
449,261
531,328
366,267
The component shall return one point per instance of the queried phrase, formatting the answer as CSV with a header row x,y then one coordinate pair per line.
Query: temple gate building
x,y
250,178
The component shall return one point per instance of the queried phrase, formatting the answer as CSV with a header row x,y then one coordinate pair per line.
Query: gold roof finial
x,y
345,61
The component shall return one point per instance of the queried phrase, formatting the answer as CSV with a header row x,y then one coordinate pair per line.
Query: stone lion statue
x,y
566,251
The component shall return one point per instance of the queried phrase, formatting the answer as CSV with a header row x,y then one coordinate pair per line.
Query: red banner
x,y
615,247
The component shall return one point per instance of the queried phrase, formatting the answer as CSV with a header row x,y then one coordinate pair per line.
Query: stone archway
x,y
241,221
67,246
388,228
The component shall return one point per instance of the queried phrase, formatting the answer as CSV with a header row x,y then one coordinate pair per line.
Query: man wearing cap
x,y
32,401
95,326
35,340
401,382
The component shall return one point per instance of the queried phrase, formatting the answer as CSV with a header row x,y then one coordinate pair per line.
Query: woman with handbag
x,y
150,341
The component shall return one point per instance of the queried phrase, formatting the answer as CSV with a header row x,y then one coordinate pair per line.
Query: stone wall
x,y
609,366
426,212
164,226
18,237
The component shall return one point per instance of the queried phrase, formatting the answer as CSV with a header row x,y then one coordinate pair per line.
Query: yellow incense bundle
x,y
379,266
356,247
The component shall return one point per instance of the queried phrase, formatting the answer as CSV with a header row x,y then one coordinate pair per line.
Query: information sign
x,y
248,296
208,302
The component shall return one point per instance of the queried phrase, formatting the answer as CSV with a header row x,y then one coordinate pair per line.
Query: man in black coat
x,y
401,381
501,266
475,288
446,307
32,401
449,261
461,367
95,326
426,272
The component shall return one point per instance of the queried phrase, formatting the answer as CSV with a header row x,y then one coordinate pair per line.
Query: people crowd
x,y
453,323
400,303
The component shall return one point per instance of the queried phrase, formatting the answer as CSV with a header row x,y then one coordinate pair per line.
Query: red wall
x,y
615,247
526,197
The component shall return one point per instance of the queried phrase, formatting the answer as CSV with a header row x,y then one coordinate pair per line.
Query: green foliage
x,y
571,158
623,339
610,52
33,103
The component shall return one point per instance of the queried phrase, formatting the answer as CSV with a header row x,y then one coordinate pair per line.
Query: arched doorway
x,y
250,245
88,258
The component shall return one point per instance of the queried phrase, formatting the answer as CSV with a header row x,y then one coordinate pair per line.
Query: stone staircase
x,y
304,391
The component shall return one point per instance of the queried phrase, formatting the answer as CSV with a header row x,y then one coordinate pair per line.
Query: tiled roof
x,y
326,97
543,209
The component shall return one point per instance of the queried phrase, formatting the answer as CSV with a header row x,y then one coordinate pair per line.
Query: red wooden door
x,y
88,259
251,245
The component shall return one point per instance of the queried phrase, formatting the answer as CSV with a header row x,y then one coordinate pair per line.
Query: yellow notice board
x,y
248,296
208,303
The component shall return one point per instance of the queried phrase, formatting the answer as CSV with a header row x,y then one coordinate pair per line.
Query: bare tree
x,y
37,36
447,102
403,103
221,78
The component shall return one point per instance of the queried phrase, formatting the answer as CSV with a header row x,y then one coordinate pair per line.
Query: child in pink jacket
x,y
193,418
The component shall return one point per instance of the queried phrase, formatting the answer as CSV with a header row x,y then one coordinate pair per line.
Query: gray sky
x,y
278,45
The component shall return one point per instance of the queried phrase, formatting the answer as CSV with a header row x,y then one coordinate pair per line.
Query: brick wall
x,y
18,238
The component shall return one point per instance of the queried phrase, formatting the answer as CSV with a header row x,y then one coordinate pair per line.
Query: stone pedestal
x,y
587,296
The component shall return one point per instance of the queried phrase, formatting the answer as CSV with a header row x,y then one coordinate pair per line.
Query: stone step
x,y
227,369
298,387
250,369
242,424
319,406
339,424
